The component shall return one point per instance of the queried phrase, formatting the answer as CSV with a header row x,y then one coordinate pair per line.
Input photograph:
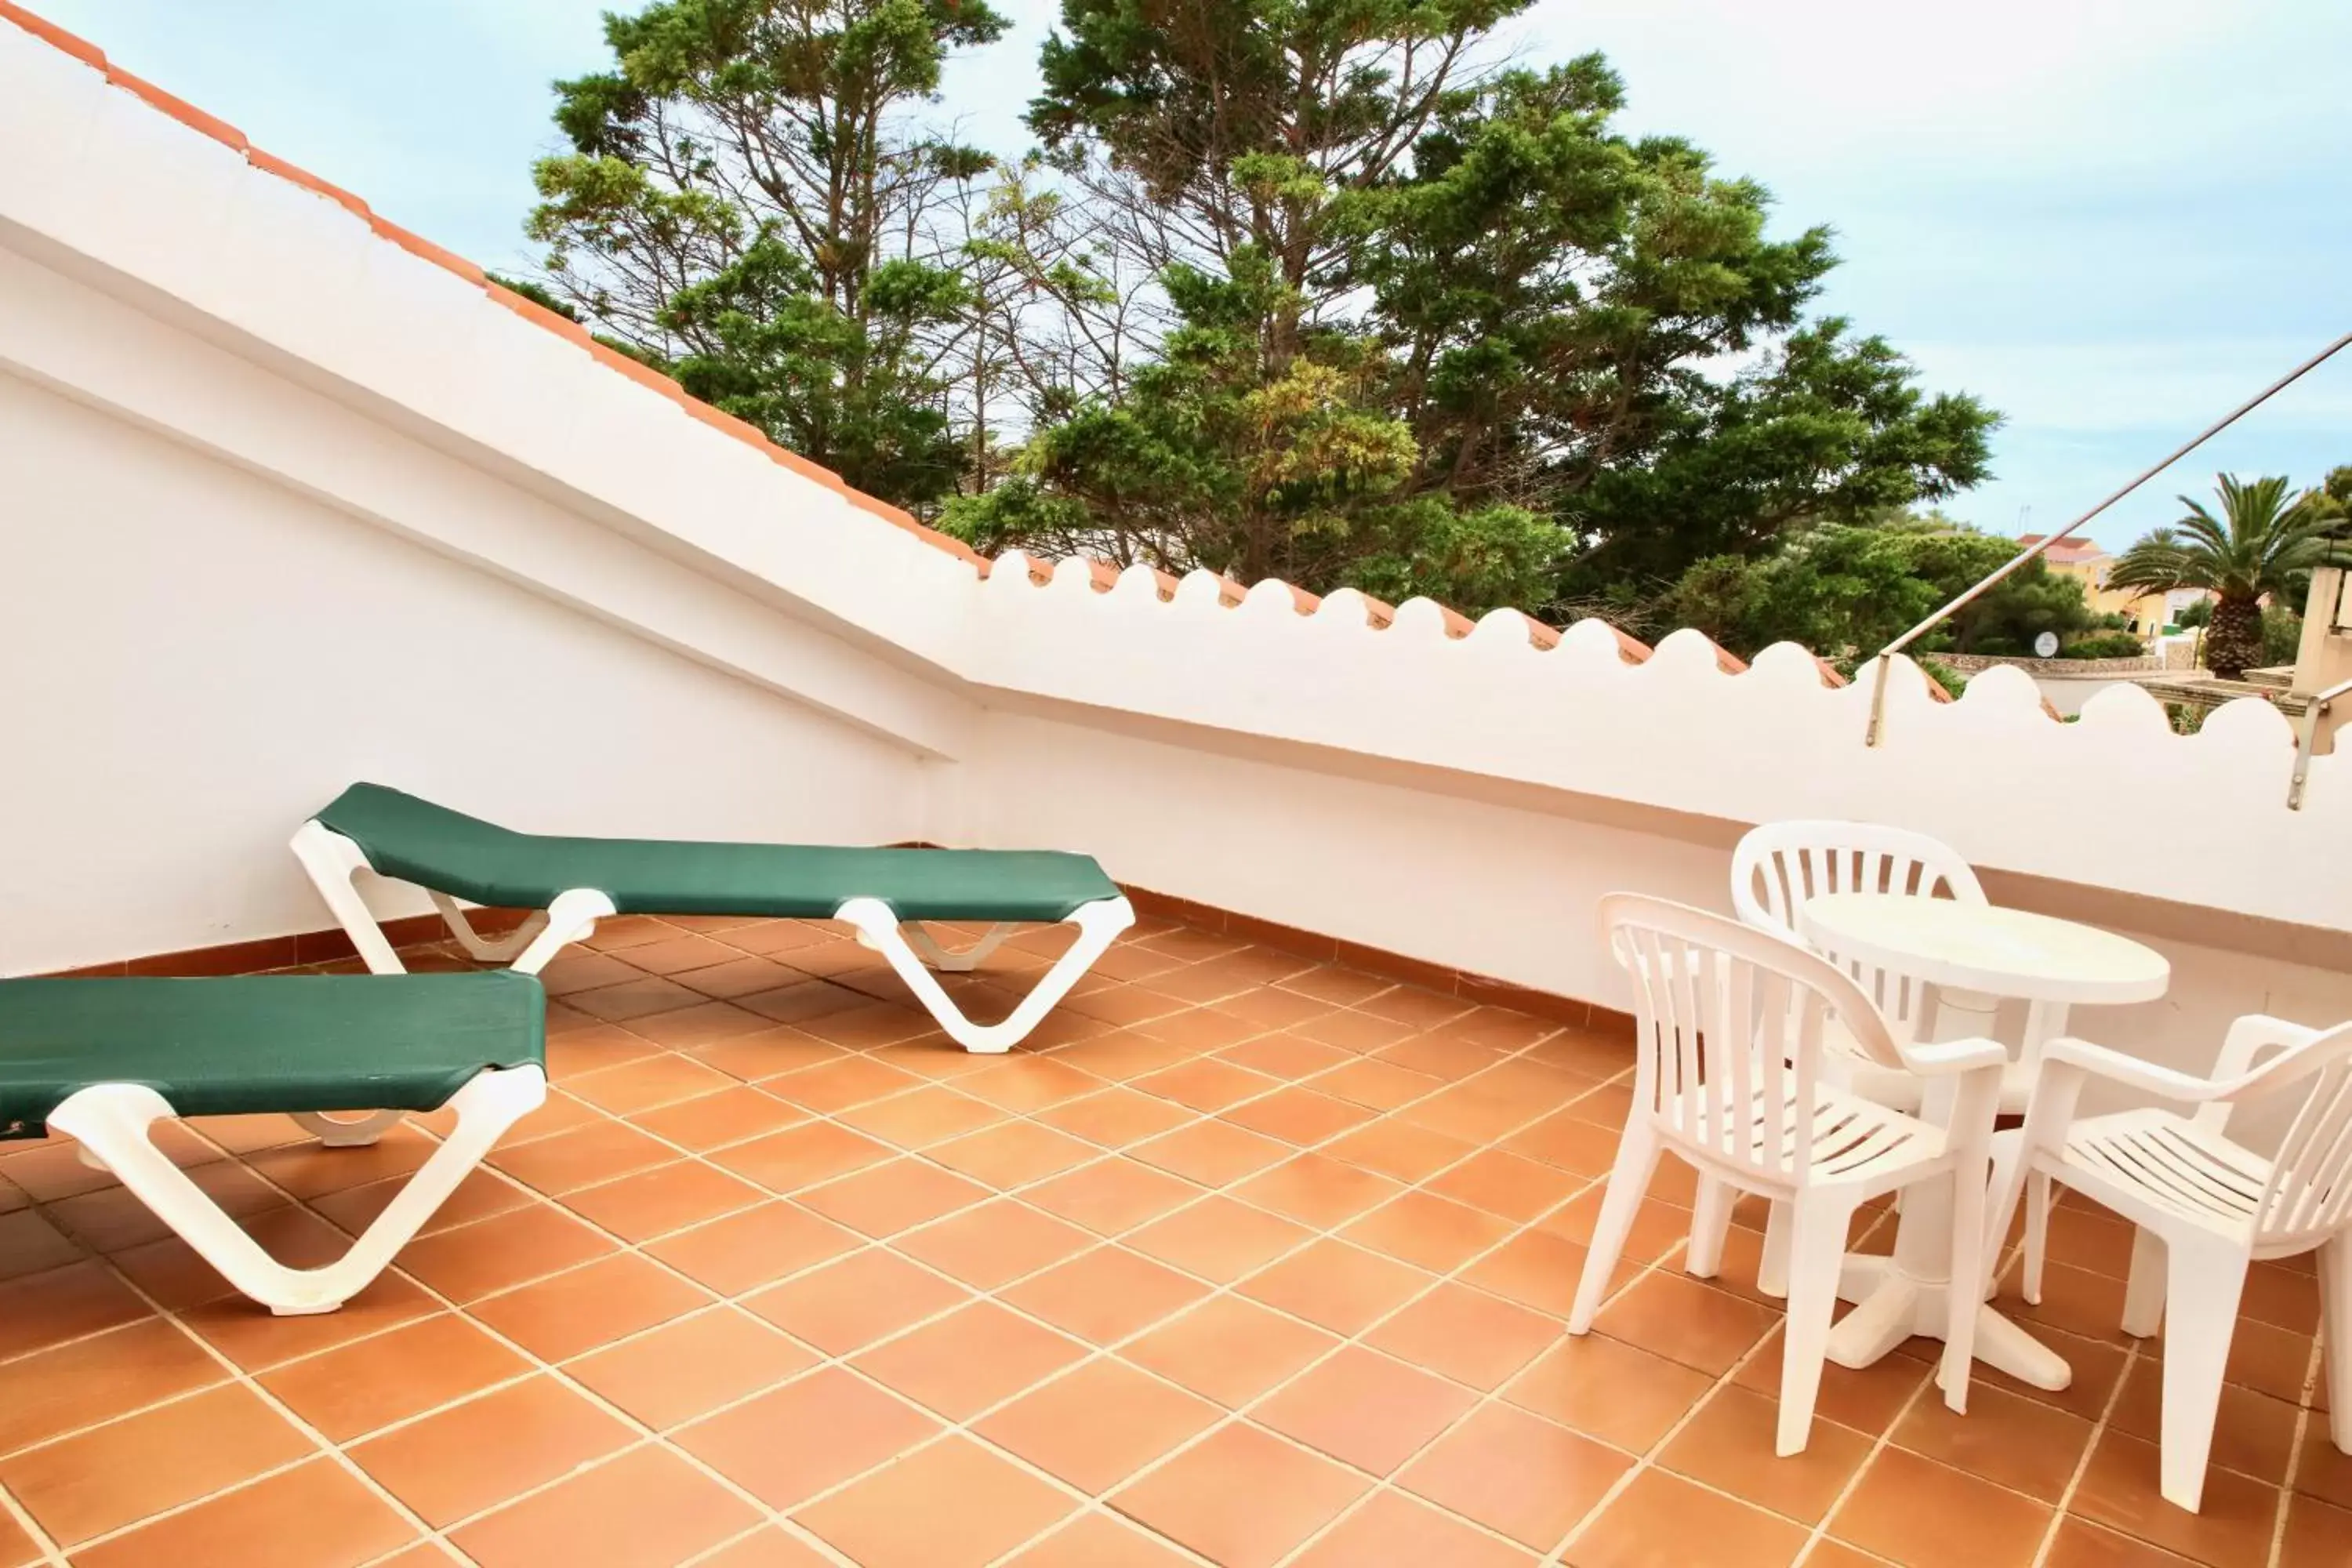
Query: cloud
x,y
2113,219
2177,383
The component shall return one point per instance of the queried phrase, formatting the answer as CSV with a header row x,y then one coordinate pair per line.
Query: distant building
x,y
2088,564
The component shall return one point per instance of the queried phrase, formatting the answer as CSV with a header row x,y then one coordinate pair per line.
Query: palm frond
x,y
2264,539
2204,528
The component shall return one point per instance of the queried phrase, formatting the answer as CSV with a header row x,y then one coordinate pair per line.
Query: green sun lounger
x,y
885,894
100,1060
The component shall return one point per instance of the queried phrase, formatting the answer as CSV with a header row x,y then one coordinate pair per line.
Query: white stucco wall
x,y
283,503
2116,800
1327,844
192,659
1494,879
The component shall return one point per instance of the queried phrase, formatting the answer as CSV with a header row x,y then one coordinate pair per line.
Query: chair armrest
x,y
2251,1038
2165,1082
1942,1057
2252,1034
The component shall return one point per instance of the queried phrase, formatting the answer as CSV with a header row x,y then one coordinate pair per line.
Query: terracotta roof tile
x,y
271,163
719,419
417,244
644,374
2065,549
1101,574
789,459
179,109
89,53
539,315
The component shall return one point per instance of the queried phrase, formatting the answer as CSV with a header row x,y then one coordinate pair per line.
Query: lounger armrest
x,y
2099,1061
1940,1058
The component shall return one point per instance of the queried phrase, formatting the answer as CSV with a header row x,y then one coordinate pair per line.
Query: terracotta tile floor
x,y
1246,1260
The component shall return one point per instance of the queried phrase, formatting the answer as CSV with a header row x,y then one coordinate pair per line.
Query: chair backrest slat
x,y
1775,1047
1730,1032
1780,867
2311,1176
1740,1084
2308,1194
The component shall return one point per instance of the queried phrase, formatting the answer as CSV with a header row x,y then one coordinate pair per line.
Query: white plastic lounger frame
x,y
927,947
1098,924
332,860
111,1121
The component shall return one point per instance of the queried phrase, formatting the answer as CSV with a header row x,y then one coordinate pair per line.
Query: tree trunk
x,y
2235,640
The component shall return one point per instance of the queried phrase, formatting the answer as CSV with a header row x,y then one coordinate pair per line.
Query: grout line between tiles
x,y
1274,1086
245,1380
2063,1509
558,1200
541,1367
1548,1030
51,1554
2303,1413
1312,1236
465,1310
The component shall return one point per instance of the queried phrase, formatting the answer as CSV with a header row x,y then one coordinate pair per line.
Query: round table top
x,y
1984,948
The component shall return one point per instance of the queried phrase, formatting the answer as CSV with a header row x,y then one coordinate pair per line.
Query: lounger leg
x,y
112,1120
572,917
928,949
487,949
1098,924
356,1133
331,861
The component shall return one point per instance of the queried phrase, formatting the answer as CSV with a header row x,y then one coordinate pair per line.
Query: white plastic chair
x,y
1776,869
2206,1205
1780,867
1728,1077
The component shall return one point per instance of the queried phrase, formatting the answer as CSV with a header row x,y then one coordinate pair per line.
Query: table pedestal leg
x,y
1908,1293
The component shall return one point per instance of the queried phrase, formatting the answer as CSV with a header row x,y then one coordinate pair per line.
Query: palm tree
x,y
2265,542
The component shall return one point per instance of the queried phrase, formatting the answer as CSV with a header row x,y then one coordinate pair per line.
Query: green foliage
x,y
746,204
2331,499
2264,544
2010,616
1845,591
539,294
1828,429
770,351
2281,635
1315,288
2104,645
1214,459
1466,301
1944,675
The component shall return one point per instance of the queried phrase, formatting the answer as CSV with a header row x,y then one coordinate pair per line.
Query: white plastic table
x,y
1974,955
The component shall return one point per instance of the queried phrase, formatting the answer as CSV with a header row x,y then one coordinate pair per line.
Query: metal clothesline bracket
x,y
2306,741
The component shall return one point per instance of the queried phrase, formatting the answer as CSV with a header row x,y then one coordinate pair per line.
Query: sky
x,y
2112,220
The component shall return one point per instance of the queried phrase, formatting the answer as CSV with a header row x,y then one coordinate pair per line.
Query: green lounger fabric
x,y
250,1044
465,857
